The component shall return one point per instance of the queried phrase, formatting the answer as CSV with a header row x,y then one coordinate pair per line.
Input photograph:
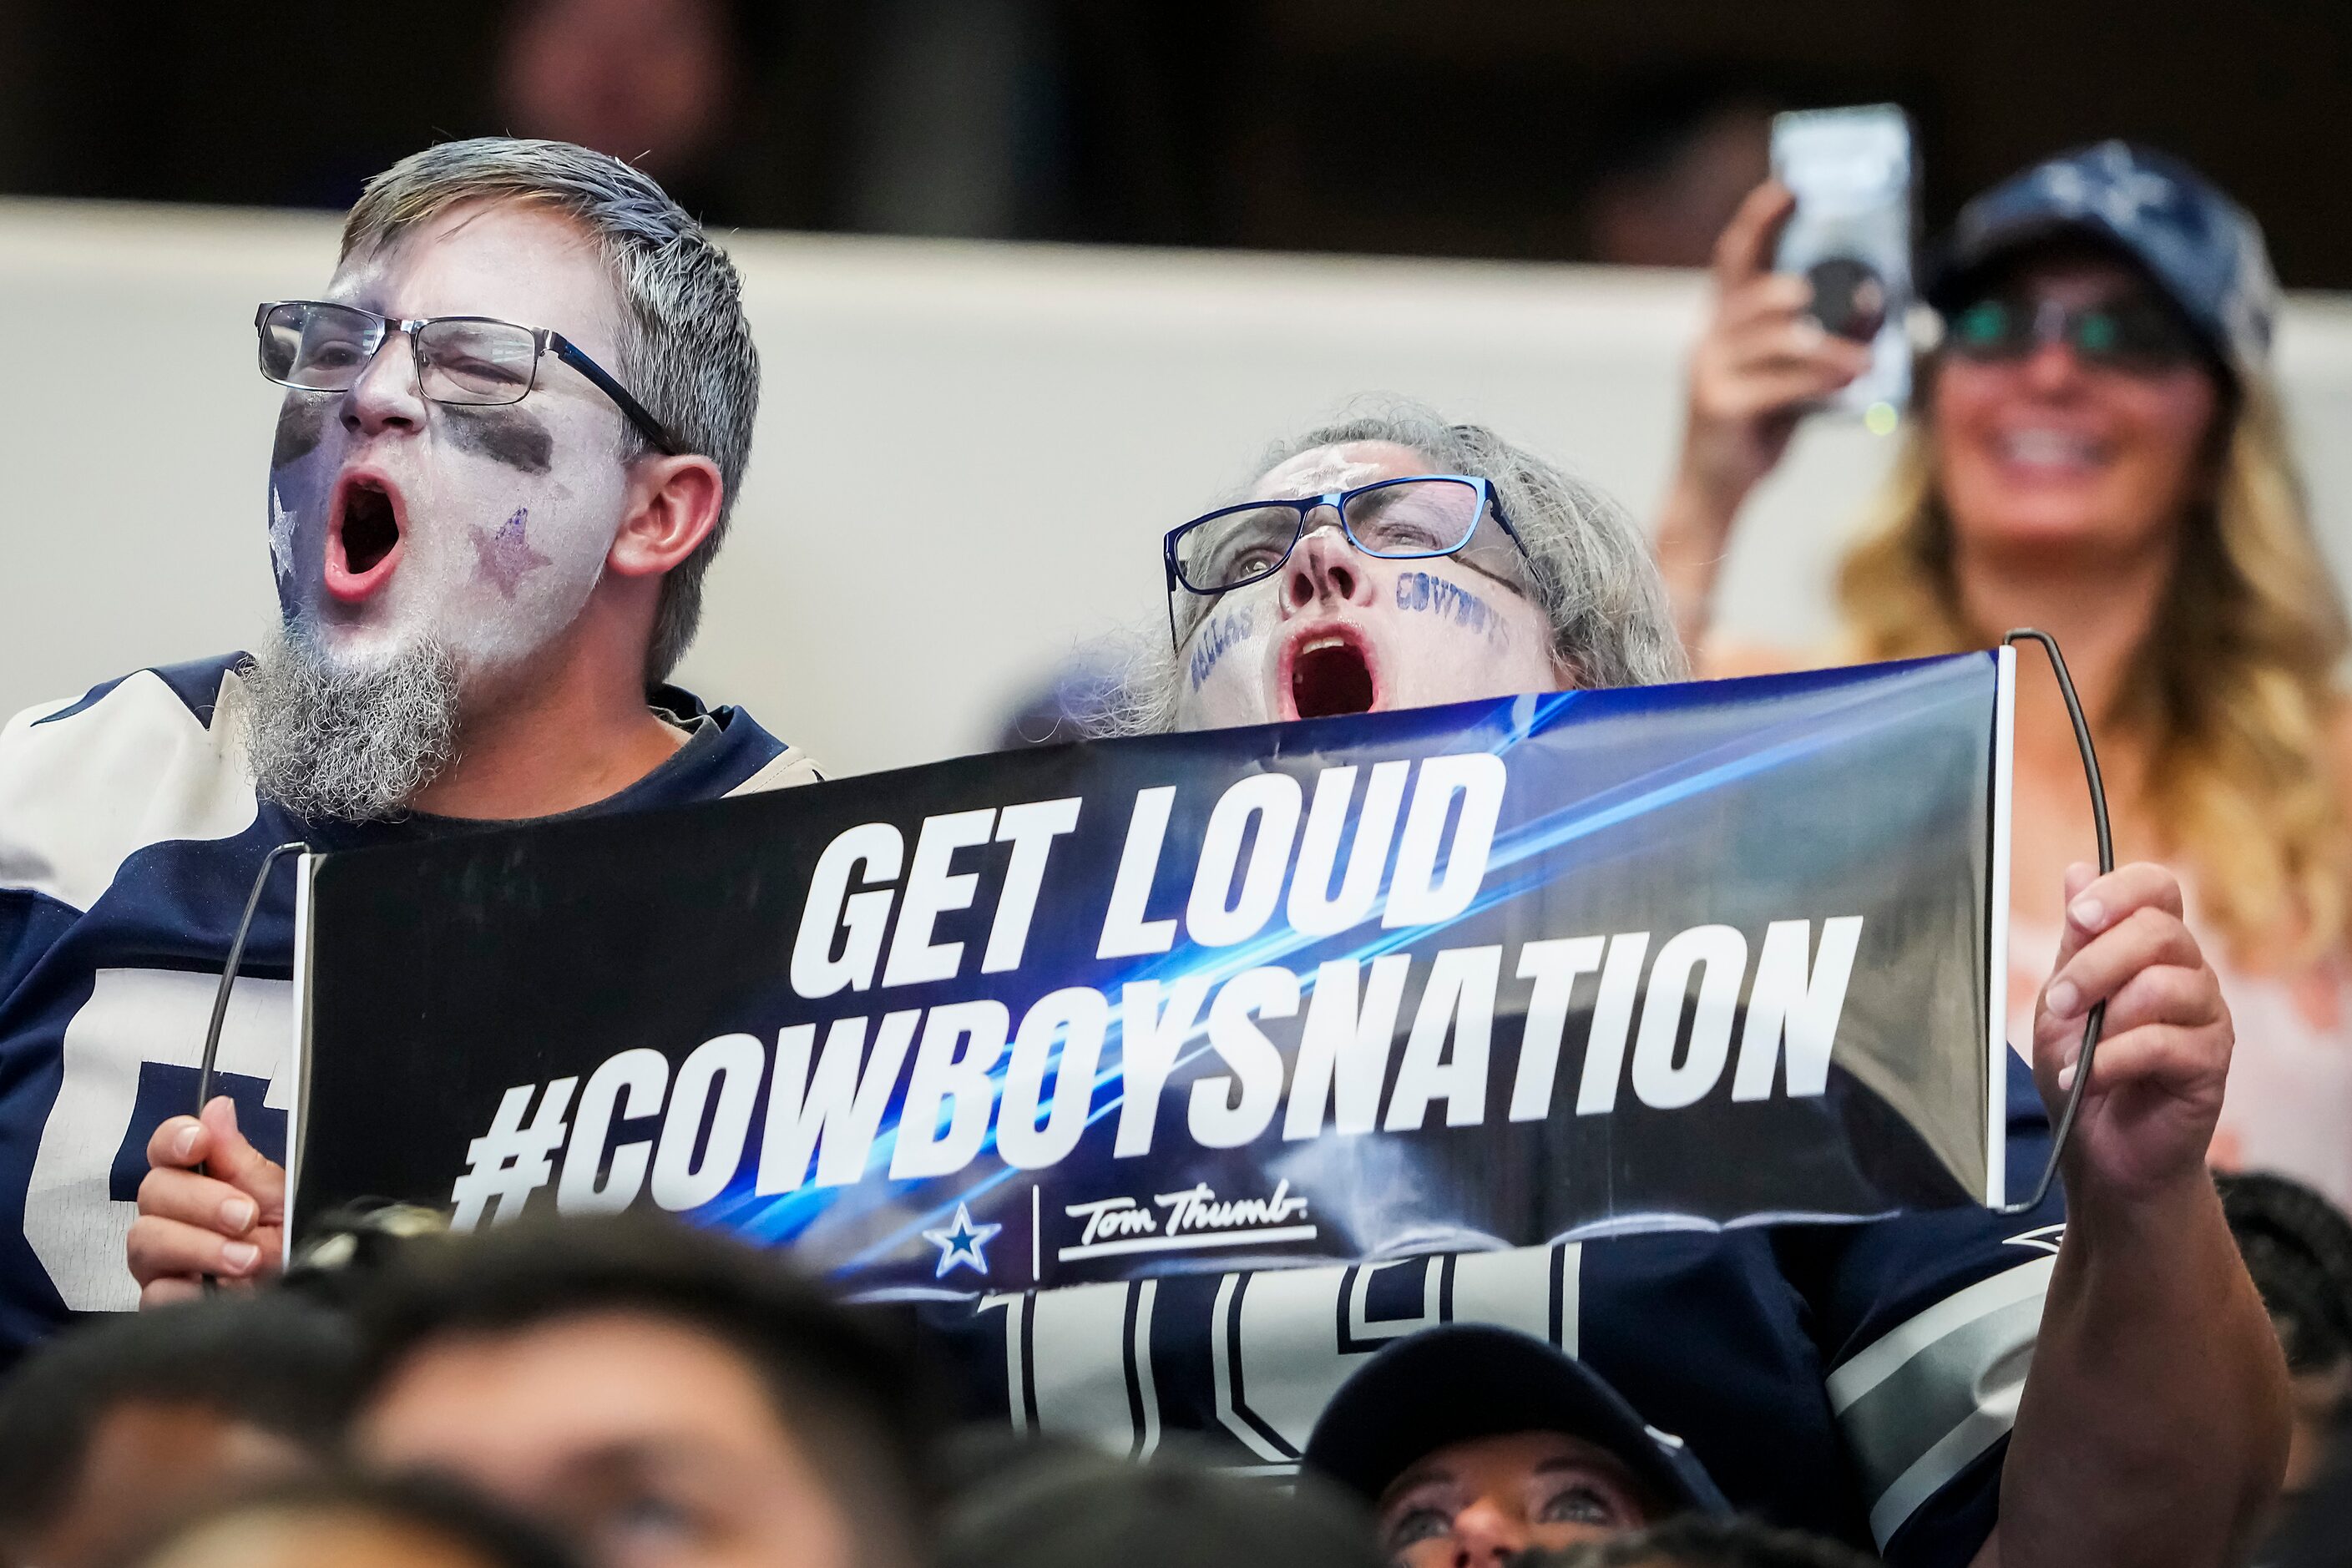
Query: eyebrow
x,y
1419,1475
1611,1467
625,1455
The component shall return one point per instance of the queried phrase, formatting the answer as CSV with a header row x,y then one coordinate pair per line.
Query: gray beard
x,y
349,745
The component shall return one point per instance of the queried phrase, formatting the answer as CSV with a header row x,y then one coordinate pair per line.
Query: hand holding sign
x,y
228,1223
2156,1082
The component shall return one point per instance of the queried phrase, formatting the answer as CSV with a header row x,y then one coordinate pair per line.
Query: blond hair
x,y
2233,691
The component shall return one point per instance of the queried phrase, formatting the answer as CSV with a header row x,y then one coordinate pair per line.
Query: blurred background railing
x,y
966,455
969,442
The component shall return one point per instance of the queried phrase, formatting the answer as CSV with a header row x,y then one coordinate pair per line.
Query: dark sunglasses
x,y
2137,337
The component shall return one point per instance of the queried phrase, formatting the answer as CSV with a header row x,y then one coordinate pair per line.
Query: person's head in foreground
x,y
1394,559
1474,1443
513,426
2100,417
2298,1247
1059,1506
662,1397
116,1426
1697,1542
352,1521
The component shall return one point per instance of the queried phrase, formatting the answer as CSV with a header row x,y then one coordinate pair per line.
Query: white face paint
x,y
1336,630
395,521
281,539
1326,473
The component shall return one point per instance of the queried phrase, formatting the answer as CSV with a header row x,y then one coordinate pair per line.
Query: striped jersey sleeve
x,y
1927,1324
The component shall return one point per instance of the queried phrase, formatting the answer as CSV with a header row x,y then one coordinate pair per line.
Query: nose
x,y
385,398
1326,569
2051,366
1486,1535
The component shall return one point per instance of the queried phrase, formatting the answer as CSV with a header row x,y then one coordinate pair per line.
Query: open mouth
x,y
363,536
1329,674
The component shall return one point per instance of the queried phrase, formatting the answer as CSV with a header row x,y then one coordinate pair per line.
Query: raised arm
x,y
2153,1426
1760,362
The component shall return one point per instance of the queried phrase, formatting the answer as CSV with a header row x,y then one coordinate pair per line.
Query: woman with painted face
x,y
1863,1382
1394,561
2097,450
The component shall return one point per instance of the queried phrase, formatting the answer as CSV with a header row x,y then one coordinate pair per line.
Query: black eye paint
x,y
504,435
301,420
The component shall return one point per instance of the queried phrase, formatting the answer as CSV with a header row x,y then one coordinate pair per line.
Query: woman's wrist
x,y
1701,508
2136,1224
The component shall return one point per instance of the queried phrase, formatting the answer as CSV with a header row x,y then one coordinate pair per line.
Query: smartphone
x,y
1852,171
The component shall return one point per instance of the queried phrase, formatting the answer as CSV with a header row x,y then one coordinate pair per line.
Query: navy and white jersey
x,y
1855,1380
130,835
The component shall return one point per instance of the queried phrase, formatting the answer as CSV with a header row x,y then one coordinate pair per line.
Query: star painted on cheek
x,y
281,535
959,1243
504,555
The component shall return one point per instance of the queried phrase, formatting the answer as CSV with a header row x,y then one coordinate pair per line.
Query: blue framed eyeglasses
x,y
1407,519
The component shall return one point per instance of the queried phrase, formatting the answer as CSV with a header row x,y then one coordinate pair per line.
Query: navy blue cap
x,y
1464,1381
2198,245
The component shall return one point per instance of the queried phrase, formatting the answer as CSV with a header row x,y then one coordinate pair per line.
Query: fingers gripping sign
x,y
2149,1113
210,1203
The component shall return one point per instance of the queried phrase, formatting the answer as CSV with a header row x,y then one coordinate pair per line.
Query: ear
x,y
673,506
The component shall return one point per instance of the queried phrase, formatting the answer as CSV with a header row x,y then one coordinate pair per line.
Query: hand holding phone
x,y
1851,235
1762,363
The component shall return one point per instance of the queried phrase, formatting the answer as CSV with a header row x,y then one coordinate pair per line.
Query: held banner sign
x,y
1487,975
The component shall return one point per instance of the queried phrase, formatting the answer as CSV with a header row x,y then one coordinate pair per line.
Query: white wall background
x,y
966,454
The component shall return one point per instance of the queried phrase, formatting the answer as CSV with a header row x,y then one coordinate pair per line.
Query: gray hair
x,y
1610,621
331,744
685,348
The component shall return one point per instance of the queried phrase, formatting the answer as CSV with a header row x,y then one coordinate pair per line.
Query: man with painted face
x,y
1865,1381
512,428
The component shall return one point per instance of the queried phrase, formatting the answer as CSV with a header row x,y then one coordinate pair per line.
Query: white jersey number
x,y
133,1016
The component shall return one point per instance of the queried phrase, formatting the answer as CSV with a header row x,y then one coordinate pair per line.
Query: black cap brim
x,y
1465,1380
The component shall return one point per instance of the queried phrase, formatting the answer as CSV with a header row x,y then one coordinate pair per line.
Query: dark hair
x,y
1060,1505
2317,1529
429,1504
1702,1540
279,1364
1652,120
859,1402
2298,1247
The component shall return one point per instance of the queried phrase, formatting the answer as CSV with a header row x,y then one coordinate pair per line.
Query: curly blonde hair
x,y
2234,691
